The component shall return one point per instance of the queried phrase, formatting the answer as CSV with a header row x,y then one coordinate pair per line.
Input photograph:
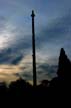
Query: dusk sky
x,y
52,29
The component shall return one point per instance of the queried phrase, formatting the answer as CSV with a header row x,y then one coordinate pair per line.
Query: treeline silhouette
x,y
20,89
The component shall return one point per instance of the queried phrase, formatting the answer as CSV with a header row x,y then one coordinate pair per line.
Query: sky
x,y
52,29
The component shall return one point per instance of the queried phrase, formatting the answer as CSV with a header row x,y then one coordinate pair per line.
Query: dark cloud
x,y
2,22
9,57
2,18
27,76
44,71
47,70
55,32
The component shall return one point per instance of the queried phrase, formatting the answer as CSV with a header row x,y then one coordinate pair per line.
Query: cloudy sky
x,y
52,28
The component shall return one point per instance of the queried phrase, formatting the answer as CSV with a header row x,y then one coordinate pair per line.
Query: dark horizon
x,y
49,91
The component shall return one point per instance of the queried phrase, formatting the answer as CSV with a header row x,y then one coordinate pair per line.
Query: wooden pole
x,y
33,50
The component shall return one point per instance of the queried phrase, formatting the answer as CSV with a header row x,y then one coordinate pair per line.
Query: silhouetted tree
x,y
64,66
63,72
44,83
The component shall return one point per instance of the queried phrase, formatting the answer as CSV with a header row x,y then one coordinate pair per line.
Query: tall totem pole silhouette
x,y
33,50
